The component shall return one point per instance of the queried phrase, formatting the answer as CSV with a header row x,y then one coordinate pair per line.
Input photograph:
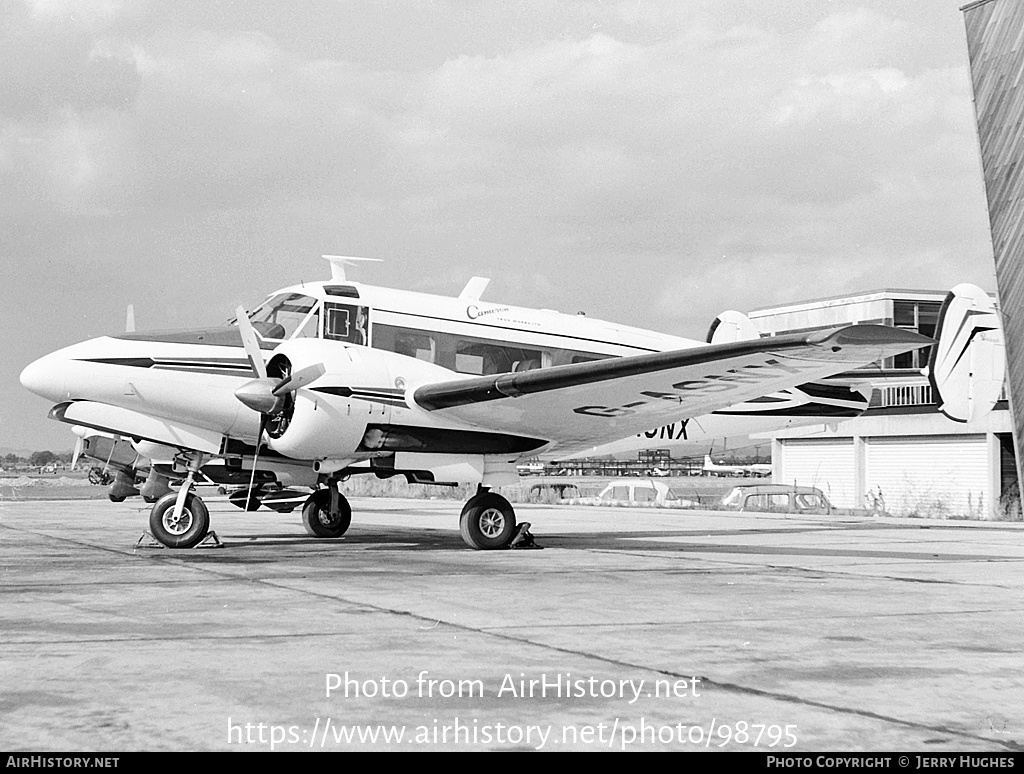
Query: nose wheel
x,y
179,528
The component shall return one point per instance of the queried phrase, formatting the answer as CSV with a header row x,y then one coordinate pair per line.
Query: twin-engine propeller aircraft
x,y
754,469
329,379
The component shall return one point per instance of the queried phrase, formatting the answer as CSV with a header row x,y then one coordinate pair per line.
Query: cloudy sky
x,y
649,161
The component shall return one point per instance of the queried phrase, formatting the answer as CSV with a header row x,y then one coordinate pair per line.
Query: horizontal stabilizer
x,y
968,362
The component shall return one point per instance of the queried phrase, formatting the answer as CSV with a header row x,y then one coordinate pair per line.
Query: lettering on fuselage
x,y
673,432
473,312
712,383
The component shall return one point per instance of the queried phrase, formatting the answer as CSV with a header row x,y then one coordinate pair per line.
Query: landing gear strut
x,y
488,521
327,513
180,519
179,529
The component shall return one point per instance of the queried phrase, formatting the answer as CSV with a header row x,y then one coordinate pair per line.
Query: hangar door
x,y
937,476
828,465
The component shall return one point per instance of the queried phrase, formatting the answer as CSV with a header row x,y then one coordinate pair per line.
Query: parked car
x,y
548,491
634,493
783,498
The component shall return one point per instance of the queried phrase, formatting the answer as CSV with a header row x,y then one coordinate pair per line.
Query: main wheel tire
x,y
487,522
318,519
188,529
99,476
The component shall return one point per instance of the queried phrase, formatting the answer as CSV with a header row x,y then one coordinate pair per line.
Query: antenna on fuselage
x,y
339,262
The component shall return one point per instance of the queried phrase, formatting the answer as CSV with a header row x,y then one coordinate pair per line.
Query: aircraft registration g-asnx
x,y
329,379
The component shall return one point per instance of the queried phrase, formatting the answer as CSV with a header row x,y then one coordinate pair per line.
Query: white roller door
x,y
937,476
828,465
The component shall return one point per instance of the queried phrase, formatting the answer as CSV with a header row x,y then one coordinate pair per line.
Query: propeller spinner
x,y
265,394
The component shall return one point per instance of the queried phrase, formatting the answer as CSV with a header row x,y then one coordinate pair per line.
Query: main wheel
x,y
488,521
184,531
99,476
318,519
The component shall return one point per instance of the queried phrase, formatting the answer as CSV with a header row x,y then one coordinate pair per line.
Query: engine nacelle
x,y
328,418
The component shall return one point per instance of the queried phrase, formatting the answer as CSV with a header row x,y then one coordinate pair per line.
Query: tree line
x,y
38,458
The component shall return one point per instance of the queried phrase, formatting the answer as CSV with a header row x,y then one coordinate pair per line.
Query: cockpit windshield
x,y
286,316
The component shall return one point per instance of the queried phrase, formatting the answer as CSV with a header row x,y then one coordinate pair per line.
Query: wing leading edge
x,y
608,399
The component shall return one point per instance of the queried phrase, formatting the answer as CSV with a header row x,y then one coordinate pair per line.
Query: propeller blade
x,y
300,379
79,444
129,319
264,421
251,344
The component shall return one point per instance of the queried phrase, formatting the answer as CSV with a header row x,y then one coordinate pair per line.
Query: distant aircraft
x,y
326,380
756,469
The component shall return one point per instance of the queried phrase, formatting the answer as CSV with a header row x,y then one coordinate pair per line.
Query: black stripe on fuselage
x,y
391,397
216,366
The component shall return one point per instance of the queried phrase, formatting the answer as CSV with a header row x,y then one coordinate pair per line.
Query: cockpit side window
x,y
282,316
347,322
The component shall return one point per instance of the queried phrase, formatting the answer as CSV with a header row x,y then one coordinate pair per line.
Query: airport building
x,y
902,451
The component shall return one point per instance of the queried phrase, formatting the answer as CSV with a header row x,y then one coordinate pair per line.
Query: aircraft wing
x,y
588,403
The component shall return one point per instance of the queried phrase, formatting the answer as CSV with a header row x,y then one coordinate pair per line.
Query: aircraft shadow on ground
x,y
663,542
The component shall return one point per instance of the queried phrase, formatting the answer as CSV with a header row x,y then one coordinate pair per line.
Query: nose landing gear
x,y
180,519
182,528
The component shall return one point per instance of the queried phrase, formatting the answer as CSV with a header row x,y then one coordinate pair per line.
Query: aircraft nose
x,y
45,377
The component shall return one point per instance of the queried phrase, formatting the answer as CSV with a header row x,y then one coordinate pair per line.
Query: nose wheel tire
x,y
318,519
182,531
487,522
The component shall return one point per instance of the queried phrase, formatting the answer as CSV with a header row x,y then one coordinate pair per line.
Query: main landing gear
x,y
327,513
488,521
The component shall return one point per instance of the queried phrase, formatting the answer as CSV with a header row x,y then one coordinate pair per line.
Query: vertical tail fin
x,y
732,326
968,360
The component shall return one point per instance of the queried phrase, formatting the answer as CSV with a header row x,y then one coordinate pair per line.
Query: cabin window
x,y
346,322
417,345
282,316
473,357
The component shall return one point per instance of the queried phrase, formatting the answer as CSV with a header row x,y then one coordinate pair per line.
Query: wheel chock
x,y
210,541
524,538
